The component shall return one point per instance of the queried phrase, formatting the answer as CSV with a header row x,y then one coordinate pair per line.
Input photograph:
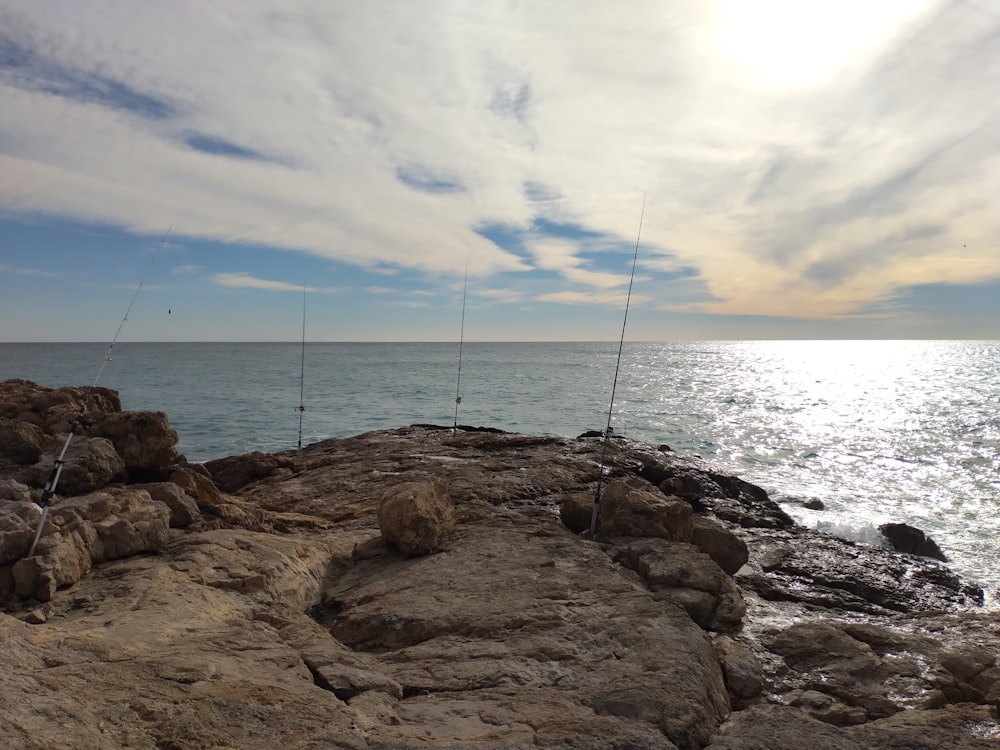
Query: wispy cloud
x,y
23,271
799,161
246,281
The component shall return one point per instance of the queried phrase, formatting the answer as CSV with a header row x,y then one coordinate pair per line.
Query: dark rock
x,y
235,472
727,549
821,570
906,538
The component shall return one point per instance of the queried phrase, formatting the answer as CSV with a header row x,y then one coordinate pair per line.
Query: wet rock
x,y
822,570
906,538
417,518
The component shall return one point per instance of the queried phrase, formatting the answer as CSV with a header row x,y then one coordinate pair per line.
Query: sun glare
x,y
798,43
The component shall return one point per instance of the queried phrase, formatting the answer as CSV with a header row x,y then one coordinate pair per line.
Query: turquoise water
x,y
878,431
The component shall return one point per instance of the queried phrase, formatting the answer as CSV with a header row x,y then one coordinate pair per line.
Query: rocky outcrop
x,y
277,601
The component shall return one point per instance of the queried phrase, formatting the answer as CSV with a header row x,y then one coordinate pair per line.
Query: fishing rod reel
x,y
82,420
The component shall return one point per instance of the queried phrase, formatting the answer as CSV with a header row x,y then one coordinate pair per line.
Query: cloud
x,y
790,155
617,299
505,296
23,271
246,281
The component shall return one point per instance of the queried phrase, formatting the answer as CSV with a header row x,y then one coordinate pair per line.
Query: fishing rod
x,y
82,419
302,375
621,345
461,340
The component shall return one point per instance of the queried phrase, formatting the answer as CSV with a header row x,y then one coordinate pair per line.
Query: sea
x,y
877,431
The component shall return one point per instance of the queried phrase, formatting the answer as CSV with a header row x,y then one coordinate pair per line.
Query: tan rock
x,y
417,518
88,464
143,439
633,508
21,442
88,529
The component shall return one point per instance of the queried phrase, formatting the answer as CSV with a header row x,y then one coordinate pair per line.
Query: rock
x,y
813,504
88,464
741,669
417,518
632,508
767,727
961,727
235,472
183,508
686,576
143,439
18,521
277,615
464,649
803,565
11,489
21,442
88,529
719,543
906,538
576,511
54,410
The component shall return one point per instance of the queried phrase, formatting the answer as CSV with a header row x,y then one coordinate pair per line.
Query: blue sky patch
x,y
427,181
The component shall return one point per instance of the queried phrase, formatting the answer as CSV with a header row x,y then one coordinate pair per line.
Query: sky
x,y
429,169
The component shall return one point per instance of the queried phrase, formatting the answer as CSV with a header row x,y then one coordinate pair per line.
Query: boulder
x,y
183,508
719,543
906,538
417,518
89,464
21,442
18,521
143,439
631,508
